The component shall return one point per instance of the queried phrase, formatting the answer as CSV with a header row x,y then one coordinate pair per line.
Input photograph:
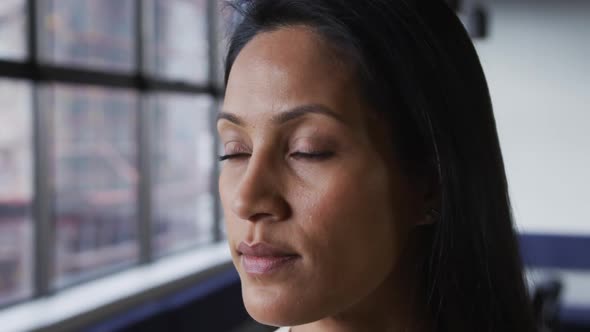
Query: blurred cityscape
x,y
16,190
16,162
93,139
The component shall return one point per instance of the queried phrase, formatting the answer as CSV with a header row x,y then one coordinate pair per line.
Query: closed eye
x,y
316,156
297,155
233,156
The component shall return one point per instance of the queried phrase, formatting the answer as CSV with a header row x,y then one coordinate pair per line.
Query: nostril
x,y
260,217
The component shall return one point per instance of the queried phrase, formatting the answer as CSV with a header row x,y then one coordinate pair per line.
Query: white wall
x,y
537,62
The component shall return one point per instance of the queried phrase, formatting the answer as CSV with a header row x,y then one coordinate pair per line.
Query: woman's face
x,y
316,212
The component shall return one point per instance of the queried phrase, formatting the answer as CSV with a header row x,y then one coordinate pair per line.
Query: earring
x,y
432,217
434,214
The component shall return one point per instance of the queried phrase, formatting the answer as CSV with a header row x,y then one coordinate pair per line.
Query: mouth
x,y
266,265
263,258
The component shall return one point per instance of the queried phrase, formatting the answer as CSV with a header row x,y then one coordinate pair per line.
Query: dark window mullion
x,y
143,139
145,184
43,198
78,76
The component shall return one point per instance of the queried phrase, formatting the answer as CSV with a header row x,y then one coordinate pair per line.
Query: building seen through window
x,y
16,190
87,161
97,34
172,52
182,170
12,29
94,158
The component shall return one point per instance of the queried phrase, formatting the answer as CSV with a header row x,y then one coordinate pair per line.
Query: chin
x,y
273,307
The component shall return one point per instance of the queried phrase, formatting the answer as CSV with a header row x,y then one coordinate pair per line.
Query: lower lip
x,y
266,264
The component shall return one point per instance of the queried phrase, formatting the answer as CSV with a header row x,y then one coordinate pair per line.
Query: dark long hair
x,y
418,69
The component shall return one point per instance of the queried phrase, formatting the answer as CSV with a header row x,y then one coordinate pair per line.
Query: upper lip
x,y
262,249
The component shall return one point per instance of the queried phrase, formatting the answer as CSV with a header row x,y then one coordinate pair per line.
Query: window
x,y
225,24
106,143
177,41
182,170
16,191
94,158
12,29
98,34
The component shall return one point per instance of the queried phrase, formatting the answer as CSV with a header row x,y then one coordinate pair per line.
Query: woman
x,y
362,182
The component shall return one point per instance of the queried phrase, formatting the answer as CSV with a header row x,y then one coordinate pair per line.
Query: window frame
x,y
37,73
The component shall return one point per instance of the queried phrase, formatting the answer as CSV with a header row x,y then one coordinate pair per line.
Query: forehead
x,y
286,68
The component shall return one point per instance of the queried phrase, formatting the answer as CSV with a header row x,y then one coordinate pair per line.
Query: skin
x,y
348,214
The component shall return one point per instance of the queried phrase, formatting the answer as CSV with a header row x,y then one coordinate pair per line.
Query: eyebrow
x,y
286,116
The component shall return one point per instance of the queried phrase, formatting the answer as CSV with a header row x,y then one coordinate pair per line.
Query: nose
x,y
258,195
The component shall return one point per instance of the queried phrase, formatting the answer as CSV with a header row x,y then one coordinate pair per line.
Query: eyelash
x,y
232,156
316,156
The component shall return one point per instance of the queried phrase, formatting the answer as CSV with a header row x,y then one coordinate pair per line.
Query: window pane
x,y
177,43
12,29
182,169
95,179
90,33
226,19
16,191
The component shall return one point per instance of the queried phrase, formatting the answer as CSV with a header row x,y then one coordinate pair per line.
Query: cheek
x,y
352,231
223,187
225,193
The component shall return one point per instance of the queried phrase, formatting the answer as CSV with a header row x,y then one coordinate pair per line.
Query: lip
x,y
262,249
263,258
261,265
